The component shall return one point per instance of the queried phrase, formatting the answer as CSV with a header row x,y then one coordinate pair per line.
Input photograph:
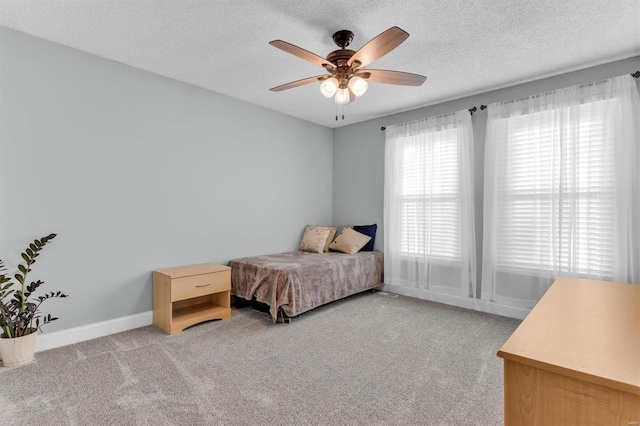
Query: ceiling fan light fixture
x,y
329,87
358,85
342,97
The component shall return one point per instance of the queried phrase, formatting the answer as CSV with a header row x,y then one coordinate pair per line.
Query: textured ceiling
x,y
463,47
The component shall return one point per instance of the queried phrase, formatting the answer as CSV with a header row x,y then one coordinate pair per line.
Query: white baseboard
x,y
461,302
99,329
70,336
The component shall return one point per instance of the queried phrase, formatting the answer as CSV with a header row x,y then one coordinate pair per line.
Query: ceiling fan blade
x,y
299,83
392,77
379,46
301,53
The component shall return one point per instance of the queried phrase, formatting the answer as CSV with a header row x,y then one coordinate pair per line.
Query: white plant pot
x,y
18,350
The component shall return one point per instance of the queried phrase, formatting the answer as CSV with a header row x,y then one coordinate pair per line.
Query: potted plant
x,y
19,314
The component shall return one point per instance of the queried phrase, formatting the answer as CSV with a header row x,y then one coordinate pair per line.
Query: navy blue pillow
x,y
369,230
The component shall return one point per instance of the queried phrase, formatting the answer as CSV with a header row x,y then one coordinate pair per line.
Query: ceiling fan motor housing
x,y
342,70
340,57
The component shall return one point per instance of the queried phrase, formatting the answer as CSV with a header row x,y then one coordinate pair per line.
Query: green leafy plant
x,y
19,314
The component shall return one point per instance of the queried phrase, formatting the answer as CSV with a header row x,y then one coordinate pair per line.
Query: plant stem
x,y
24,282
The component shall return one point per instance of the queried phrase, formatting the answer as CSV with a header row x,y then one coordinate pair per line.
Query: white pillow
x,y
349,241
332,236
314,238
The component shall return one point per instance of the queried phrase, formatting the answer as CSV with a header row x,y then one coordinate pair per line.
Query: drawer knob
x,y
203,285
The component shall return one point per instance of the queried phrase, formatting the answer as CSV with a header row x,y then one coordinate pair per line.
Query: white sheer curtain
x,y
429,233
562,190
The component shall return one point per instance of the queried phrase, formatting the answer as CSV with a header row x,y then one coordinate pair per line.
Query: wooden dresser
x,y
575,359
188,295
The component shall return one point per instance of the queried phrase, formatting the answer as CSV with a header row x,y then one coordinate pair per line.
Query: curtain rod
x,y
634,75
471,111
483,107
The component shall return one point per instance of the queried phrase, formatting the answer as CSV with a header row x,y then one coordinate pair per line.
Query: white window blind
x,y
429,181
556,184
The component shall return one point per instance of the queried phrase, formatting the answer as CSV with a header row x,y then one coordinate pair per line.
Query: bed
x,y
295,282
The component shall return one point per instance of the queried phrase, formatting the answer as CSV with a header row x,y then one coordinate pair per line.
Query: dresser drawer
x,y
200,285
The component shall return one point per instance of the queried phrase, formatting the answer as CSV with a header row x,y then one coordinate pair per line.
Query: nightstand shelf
x,y
189,315
189,295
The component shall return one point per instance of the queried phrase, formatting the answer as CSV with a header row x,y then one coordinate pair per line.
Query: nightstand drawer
x,y
200,285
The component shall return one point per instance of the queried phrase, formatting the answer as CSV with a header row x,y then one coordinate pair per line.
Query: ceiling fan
x,y
347,78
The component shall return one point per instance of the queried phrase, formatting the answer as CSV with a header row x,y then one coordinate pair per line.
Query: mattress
x,y
297,281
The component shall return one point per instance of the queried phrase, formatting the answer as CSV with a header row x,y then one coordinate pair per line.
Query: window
x,y
429,228
556,184
429,180
561,190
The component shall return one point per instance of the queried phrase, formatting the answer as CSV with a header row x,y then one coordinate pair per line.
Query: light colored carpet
x,y
368,360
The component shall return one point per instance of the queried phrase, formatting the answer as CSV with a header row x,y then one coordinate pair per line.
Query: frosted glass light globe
x,y
358,85
342,97
329,87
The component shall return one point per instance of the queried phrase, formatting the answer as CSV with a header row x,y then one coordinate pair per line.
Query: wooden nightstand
x,y
188,295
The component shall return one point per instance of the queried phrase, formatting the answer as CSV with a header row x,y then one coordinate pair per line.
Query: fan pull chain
x,y
336,112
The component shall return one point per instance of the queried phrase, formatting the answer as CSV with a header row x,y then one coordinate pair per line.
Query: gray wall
x,y
358,150
136,172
